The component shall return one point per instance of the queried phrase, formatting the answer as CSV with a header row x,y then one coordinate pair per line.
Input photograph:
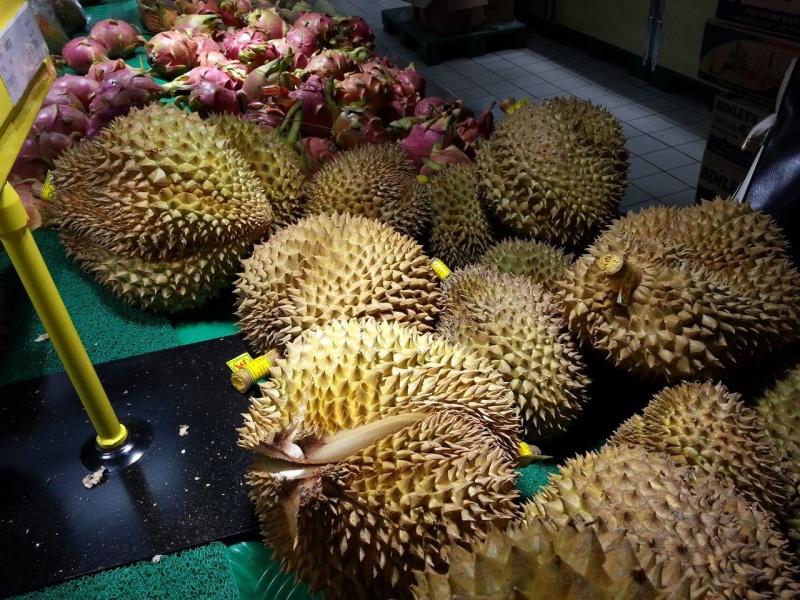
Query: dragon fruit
x,y
199,7
330,64
427,107
234,12
269,21
82,88
99,69
353,32
171,53
355,126
211,58
441,157
302,41
362,90
192,24
118,93
198,74
282,48
471,129
82,52
205,43
65,120
29,191
268,116
318,151
316,118
61,98
321,25
121,39
247,39
409,86
207,98
423,137
265,75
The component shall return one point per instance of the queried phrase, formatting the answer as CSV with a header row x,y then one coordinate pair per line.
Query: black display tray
x,y
184,490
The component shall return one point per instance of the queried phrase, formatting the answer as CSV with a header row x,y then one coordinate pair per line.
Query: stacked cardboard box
x,y
448,17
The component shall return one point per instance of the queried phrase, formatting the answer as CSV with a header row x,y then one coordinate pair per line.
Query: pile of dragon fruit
x,y
264,62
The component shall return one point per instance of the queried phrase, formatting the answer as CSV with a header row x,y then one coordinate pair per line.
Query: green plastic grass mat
x,y
201,572
260,578
108,328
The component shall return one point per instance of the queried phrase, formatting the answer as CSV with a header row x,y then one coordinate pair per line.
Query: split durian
x,y
159,208
326,267
543,263
460,232
555,171
715,289
778,406
517,326
378,445
723,543
538,562
704,425
374,180
275,164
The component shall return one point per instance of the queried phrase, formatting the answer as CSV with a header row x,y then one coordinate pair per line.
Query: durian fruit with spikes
x,y
377,181
517,326
159,207
704,425
460,231
537,562
715,291
555,171
275,164
724,544
378,445
327,267
778,407
543,263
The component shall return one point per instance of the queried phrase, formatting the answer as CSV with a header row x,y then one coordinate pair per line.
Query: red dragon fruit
x,y
99,69
265,75
470,130
205,43
330,64
171,53
82,52
316,118
320,24
409,85
65,120
61,98
234,42
206,98
192,24
269,21
355,126
302,41
318,151
121,39
82,88
282,48
211,58
199,7
353,32
268,116
423,137
234,12
118,93
428,106
441,157
362,90
198,74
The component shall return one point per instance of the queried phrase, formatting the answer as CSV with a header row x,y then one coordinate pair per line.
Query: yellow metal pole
x,y
32,270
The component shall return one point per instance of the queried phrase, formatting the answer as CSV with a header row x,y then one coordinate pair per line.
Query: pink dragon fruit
x,y
234,42
233,69
205,43
82,52
330,64
62,98
99,69
353,32
265,75
234,12
269,21
118,93
121,39
302,41
62,119
441,157
282,48
423,137
82,88
362,90
192,24
321,25
171,53
318,151
268,116
198,74
410,85
428,106
355,126
208,98
39,211
470,130
199,7
316,119
211,58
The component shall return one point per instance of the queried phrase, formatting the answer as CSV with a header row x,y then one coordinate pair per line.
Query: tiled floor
x,y
666,131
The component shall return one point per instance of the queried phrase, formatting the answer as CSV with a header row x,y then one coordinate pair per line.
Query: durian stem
x,y
32,270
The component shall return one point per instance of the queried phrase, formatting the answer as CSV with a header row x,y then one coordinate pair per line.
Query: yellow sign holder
x,y
26,74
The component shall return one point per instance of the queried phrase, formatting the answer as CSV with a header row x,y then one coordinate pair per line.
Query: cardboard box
x,y
745,61
447,17
718,177
779,17
499,11
731,121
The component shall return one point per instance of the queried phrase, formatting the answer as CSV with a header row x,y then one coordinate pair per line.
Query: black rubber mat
x,y
185,490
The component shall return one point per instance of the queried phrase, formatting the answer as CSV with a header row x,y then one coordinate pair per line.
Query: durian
x,y
713,291
537,562
555,171
277,167
704,425
515,324
377,181
327,267
377,446
543,263
159,207
723,543
778,406
460,232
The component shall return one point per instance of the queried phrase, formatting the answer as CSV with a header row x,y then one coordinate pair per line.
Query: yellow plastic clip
x,y
440,268
251,371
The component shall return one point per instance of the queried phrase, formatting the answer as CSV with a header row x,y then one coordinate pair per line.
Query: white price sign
x,y
22,51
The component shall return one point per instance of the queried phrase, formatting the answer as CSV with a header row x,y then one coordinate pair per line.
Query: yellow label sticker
x,y
423,178
440,268
517,105
48,192
526,455
238,362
